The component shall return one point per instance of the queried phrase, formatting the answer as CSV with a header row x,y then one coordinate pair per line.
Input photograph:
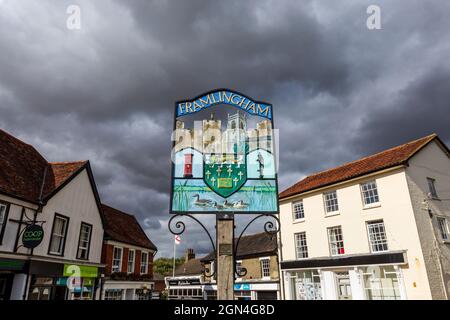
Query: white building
x,y
375,228
63,200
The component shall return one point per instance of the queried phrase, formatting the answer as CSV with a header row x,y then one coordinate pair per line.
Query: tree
x,y
164,266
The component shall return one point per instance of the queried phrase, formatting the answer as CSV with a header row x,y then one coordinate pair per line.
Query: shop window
x,y
336,241
113,294
143,294
305,285
58,235
381,283
377,236
369,193
84,241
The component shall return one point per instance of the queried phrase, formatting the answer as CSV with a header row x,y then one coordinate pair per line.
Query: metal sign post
x,y
223,163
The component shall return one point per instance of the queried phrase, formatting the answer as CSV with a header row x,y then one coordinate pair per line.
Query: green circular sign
x,y
32,236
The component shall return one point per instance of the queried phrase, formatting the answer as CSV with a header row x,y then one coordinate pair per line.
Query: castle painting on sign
x,y
223,155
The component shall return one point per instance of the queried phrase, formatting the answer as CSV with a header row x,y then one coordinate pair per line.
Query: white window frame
x,y
132,262
113,294
4,219
376,240
443,229
113,270
301,211
62,237
432,188
331,209
85,247
261,264
369,192
145,265
301,245
334,244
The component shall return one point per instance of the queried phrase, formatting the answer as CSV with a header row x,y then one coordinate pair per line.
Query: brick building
x,y
374,228
128,256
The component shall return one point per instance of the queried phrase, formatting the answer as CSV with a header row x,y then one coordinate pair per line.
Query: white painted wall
x,y
76,201
395,209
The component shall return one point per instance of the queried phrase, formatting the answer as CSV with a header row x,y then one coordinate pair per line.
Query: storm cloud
x,y
106,92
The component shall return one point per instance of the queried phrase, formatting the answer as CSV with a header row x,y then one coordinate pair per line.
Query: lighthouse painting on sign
x,y
223,155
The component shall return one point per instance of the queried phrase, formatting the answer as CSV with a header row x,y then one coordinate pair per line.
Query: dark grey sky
x,y
106,92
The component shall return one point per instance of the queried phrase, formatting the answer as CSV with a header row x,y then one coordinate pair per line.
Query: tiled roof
x,y
22,170
190,267
257,244
382,160
123,227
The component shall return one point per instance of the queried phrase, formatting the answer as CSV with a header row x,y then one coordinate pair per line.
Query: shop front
x,y
127,290
11,270
185,288
340,282
56,281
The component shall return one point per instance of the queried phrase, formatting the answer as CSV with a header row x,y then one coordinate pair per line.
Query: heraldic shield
x,y
224,173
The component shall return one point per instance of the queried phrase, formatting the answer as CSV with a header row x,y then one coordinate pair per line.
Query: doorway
x,y
343,286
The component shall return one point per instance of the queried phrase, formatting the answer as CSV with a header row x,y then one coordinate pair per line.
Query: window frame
x,y
363,198
324,196
294,213
7,205
342,240
261,261
432,188
64,239
88,249
297,247
128,261
444,230
120,260
146,262
371,245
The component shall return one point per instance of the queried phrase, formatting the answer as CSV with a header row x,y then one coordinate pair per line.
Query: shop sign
x,y
242,287
84,271
184,282
32,236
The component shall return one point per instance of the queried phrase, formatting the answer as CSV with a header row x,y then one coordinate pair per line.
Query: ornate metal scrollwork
x,y
178,227
270,227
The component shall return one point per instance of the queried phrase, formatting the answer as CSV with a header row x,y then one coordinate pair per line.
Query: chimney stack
x,y
190,254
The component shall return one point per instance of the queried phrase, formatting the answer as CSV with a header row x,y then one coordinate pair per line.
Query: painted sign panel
x,y
223,155
32,236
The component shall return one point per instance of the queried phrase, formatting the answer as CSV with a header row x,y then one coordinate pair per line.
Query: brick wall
x,y
107,257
